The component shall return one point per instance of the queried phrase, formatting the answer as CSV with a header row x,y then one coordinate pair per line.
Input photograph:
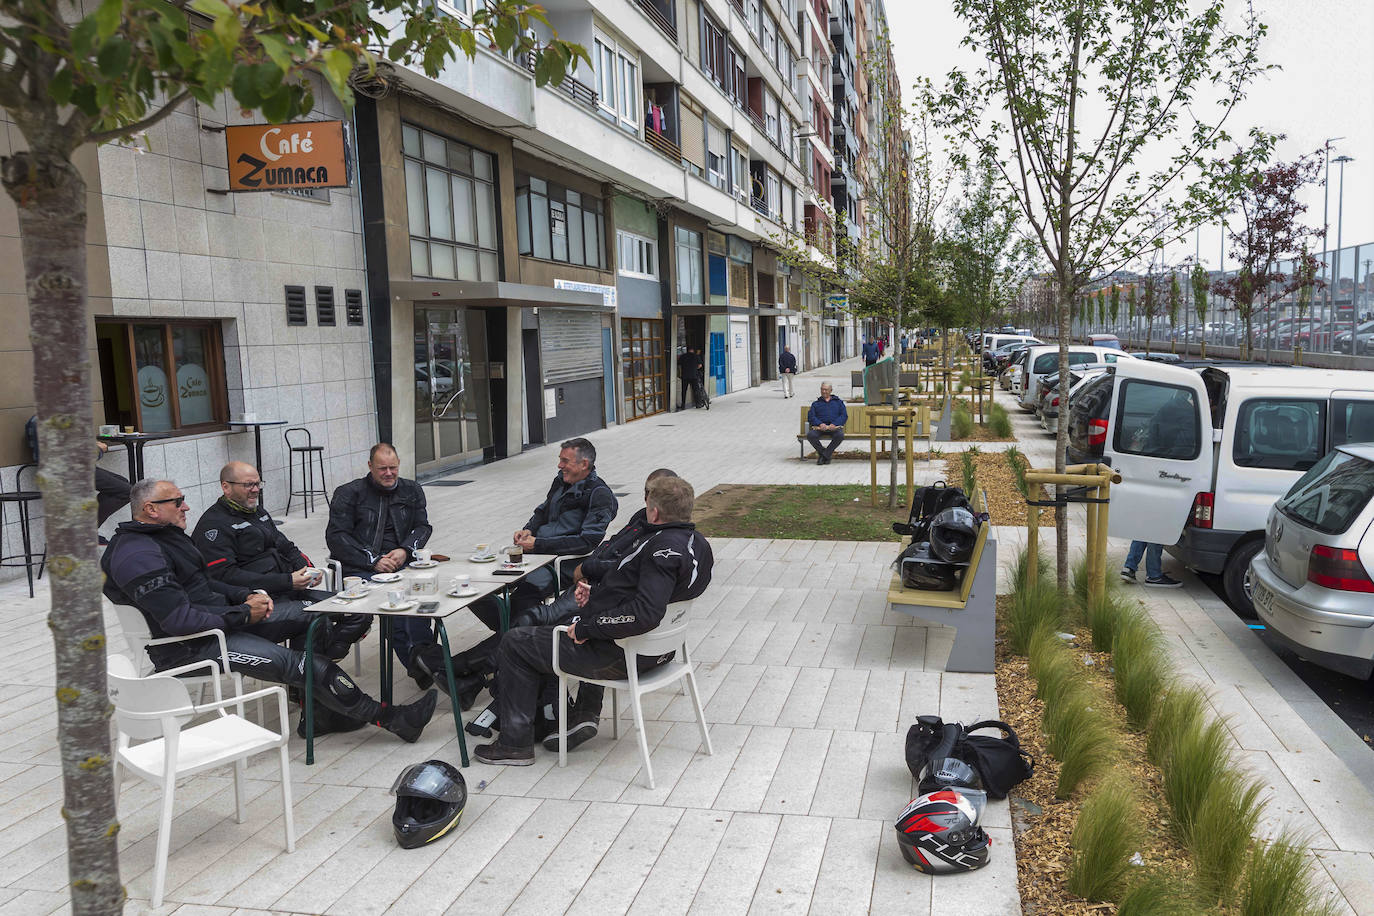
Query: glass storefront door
x,y
452,389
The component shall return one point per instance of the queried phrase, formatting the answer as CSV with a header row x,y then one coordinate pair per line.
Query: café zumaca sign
x,y
286,157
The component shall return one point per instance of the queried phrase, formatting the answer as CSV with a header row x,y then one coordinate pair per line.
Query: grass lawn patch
x,y
837,512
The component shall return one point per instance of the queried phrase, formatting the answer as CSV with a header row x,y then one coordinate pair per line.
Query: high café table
x,y
485,582
257,442
133,444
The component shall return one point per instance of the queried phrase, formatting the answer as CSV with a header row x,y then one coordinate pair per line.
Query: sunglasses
x,y
178,501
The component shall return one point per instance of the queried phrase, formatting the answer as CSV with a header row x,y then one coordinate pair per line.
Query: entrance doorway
x,y
452,388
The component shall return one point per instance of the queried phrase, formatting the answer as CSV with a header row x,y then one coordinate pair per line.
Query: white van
x,y
1042,360
992,341
1203,455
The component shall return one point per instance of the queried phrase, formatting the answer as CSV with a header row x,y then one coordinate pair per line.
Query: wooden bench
x,y
971,610
854,427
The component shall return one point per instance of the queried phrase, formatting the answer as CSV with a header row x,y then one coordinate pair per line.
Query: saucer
x,y
468,593
403,606
387,577
421,564
482,558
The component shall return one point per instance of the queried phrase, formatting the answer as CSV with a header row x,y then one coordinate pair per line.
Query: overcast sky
x,y
1324,89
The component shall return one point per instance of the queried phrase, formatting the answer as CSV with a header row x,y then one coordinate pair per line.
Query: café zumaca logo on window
x,y
286,157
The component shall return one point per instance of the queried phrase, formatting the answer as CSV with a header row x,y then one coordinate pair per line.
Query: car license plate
x,y
1262,597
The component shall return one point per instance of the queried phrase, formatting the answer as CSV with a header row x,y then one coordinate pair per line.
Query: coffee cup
x,y
516,554
421,555
109,429
461,583
353,584
128,429
395,597
315,573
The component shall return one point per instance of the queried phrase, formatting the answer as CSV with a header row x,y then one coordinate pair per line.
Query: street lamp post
x,y
1326,206
1336,267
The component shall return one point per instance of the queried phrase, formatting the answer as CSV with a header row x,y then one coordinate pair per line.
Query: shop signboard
x,y
287,157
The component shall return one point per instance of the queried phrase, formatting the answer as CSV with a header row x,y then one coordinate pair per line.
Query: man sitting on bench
x,y
826,417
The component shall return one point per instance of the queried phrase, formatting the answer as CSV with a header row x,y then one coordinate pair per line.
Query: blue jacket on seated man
x,y
825,411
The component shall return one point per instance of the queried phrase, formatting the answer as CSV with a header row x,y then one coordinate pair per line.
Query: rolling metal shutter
x,y
569,344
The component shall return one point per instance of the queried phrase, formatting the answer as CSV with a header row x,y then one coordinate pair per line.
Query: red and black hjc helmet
x,y
938,833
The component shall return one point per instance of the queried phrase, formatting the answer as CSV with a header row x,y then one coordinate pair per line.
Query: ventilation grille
x,y
353,306
324,306
295,305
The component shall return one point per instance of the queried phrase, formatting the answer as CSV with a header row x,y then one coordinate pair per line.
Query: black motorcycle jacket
x,y
669,563
356,534
246,548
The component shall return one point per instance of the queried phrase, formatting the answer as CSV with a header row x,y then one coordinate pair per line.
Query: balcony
x,y
661,144
574,89
660,13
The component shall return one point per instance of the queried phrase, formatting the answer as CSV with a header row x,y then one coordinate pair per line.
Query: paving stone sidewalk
x,y
809,683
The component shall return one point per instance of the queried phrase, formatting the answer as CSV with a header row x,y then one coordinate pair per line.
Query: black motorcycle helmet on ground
x,y
430,797
953,532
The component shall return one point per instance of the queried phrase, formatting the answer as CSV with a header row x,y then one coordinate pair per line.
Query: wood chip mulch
x,y
1005,503
1043,851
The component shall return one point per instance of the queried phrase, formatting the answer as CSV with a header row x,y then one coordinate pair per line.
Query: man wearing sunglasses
x,y
153,565
243,546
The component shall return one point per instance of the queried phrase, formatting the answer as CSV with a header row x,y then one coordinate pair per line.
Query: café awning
x,y
494,294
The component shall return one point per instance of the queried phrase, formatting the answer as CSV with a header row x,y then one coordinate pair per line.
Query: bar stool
x,y
20,499
306,453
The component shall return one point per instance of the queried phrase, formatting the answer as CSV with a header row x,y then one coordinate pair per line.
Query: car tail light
x,y
1202,510
1055,402
1338,568
1097,432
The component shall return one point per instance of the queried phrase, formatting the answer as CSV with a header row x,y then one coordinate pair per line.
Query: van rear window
x,y
1157,420
1331,495
1279,434
1351,421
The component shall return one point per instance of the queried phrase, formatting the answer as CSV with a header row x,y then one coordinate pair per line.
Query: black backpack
x,y
999,761
927,502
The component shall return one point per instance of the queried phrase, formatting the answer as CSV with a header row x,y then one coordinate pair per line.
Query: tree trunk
x,y
896,391
1061,438
51,199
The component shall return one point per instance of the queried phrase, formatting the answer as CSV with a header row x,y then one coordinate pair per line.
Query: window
x,y
770,38
717,269
557,223
1159,421
713,52
160,376
617,81
739,172
739,80
1279,434
770,117
605,73
638,256
717,147
773,194
689,286
1331,495
450,207
1351,421
644,369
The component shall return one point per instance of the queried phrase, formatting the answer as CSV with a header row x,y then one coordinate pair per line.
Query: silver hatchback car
x,y
1311,583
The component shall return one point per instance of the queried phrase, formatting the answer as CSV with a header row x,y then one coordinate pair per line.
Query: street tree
x,y
1202,285
68,80
1071,98
1308,284
987,261
1268,233
1114,308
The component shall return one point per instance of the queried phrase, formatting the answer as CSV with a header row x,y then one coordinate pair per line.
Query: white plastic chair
x,y
669,636
156,709
139,637
333,581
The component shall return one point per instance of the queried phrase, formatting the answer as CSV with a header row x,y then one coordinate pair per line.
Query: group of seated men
x,y
238,573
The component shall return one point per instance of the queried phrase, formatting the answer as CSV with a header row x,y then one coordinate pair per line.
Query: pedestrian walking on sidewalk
x,y
787,367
